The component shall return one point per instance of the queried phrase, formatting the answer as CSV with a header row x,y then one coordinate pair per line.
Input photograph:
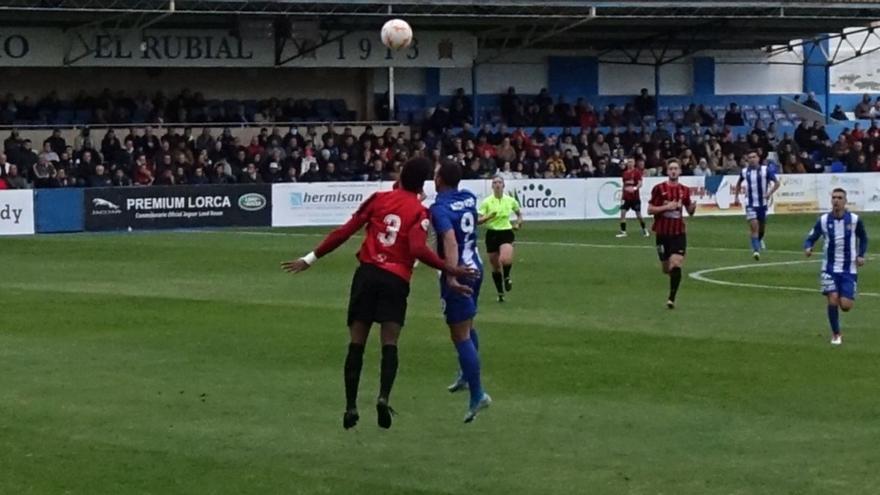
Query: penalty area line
x,y
701,276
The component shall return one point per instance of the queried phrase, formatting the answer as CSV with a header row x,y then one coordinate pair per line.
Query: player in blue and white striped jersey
x,y
846,244
759,192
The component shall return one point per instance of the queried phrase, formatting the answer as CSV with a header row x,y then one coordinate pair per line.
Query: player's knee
x,y
846,305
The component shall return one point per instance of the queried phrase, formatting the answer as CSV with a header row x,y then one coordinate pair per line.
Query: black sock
x,y
507,269
389,370
643,224
674,282
353,364
761,232
496,277
623,226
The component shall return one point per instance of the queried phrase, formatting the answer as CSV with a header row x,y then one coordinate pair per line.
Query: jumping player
x,y
667,200
495,212
454,217
630,199
396,233
759,193
846,243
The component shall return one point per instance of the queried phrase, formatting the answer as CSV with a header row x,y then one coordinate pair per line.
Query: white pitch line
x,y
701,276
527,243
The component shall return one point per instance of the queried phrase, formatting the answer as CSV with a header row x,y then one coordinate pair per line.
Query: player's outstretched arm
x,y
332,241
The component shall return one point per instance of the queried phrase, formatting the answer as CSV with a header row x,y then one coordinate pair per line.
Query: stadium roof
x,y
689,25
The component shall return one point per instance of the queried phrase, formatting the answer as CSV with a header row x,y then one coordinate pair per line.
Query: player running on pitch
x,y
397,225
667,200
454,216
630,199
846,243
759,193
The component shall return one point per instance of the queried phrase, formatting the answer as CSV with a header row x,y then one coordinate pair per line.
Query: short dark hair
x,y
450,173
839,190
414,174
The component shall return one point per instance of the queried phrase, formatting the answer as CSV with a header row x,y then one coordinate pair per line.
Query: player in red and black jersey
x,y
667,200
397,225
631,199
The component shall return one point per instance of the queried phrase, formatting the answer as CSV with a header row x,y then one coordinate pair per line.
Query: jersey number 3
x,y
392,227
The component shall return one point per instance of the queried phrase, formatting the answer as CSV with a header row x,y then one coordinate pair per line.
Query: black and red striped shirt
x,y
670,222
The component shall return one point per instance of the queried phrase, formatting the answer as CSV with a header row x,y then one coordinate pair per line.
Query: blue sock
x,y
475,339
833,319
756,244
470,368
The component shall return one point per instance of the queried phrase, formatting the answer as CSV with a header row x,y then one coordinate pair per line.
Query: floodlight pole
x,y
656,90
391,111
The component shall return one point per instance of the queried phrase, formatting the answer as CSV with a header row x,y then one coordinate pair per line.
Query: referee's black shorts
x,y
667,245
632,204
378,296
495,238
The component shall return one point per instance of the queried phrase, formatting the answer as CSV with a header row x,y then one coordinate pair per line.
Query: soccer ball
x,y
397,34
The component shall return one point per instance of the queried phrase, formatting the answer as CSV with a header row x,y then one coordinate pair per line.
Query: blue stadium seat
x,y
82,117
793,116
760,108
663,115
678,116
779,114
765,115
784,123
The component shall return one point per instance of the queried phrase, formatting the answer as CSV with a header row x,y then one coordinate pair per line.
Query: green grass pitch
x,y
182,363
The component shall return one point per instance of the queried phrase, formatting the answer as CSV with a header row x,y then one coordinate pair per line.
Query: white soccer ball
x,y
397,34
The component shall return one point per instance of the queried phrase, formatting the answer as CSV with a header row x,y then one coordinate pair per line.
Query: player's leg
x,y
361,313
834,317
676,261
505,257
354,362
388,372
493,247
754,228
469,360
623,210
641,219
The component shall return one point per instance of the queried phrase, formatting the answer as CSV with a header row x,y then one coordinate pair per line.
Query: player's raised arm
x,y
332,241
814,235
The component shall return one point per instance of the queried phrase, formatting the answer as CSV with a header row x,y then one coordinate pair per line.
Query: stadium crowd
x,y
145,157
119,107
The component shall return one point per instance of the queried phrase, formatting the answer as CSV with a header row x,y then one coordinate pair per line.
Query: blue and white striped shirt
x,y
757,181
845,240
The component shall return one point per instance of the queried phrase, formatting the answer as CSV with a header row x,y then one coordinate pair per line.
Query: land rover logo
x,y
252,202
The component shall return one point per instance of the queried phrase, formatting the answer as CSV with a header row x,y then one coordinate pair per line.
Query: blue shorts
x,y
456,307
758,213
844,284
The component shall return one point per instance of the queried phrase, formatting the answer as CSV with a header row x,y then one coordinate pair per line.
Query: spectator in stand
x,y
198,177
99,178
251,175
600,148
703,169
42,173
863,109
555,166
645,103
48,153
734,117
61,179
14,179
56,141
120,179
839,114
811,102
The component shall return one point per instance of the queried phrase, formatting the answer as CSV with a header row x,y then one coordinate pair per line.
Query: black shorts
x,y
667,245
377,295
495,238
632,204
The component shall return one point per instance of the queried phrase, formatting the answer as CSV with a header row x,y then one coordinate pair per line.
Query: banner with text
x,y
175,207
581,199
50,47
320,203
16,212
